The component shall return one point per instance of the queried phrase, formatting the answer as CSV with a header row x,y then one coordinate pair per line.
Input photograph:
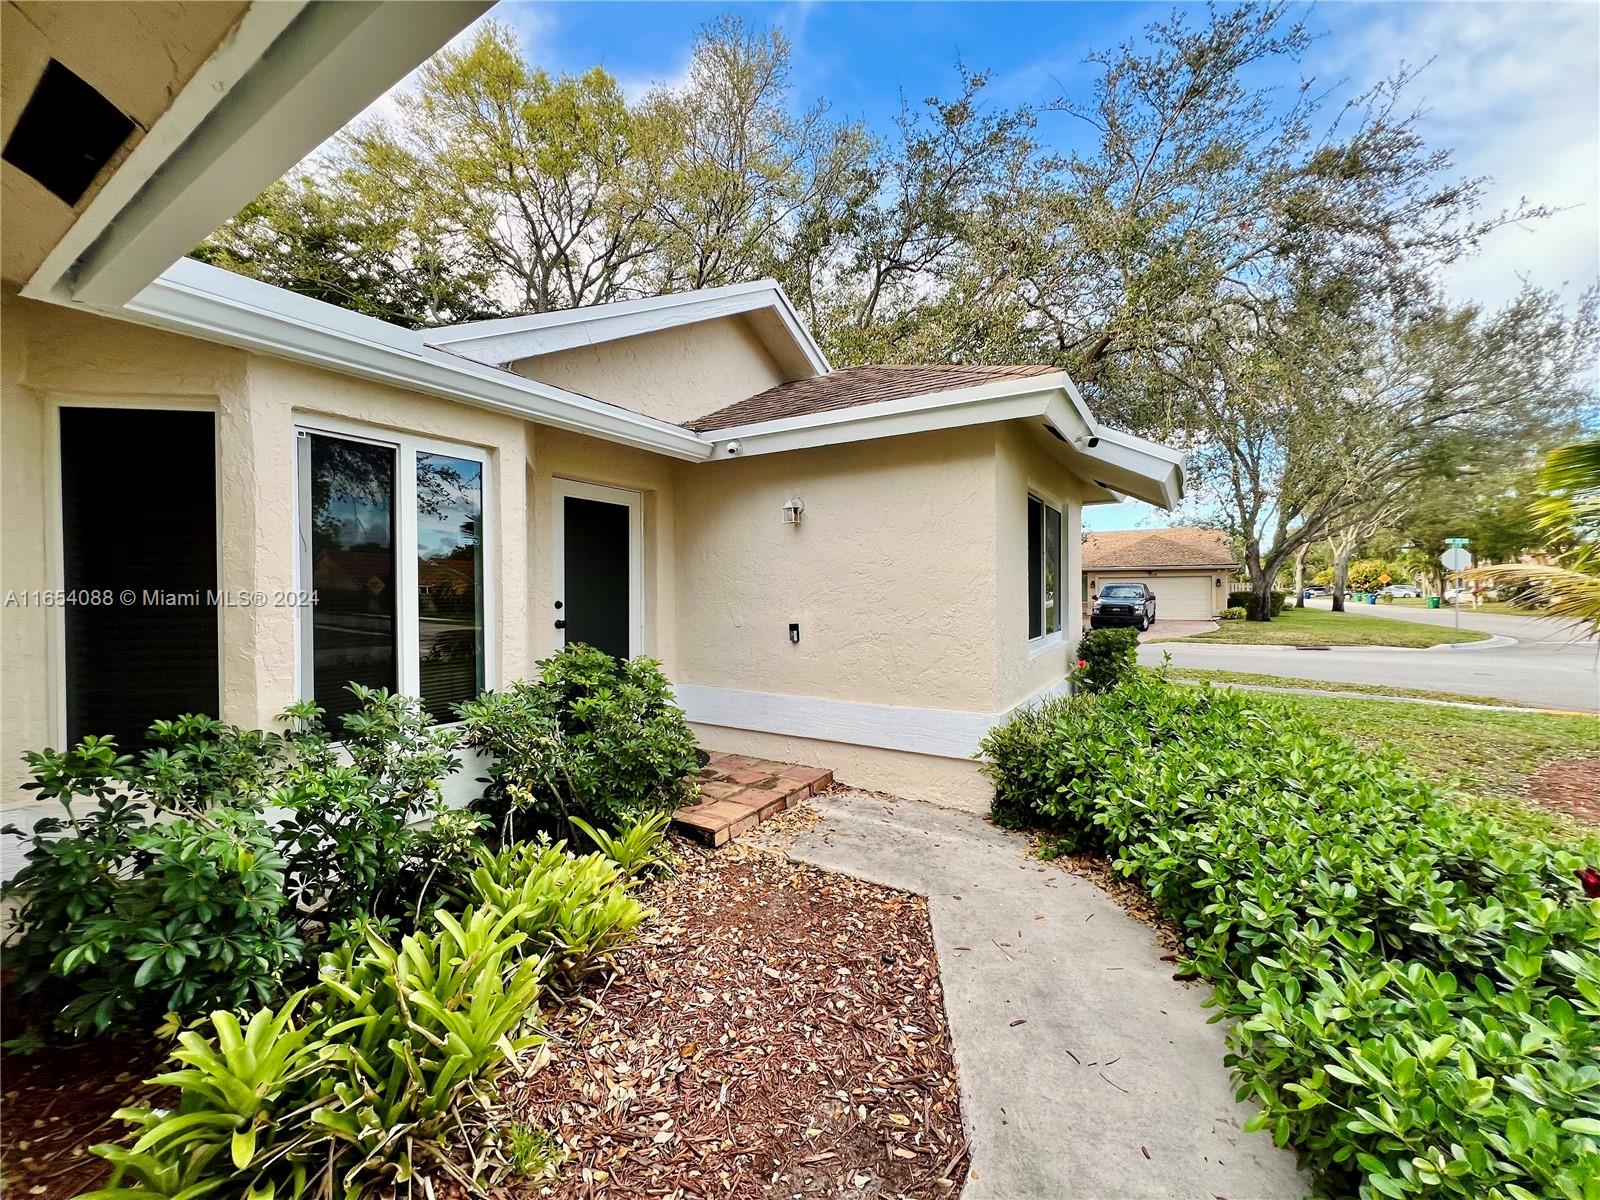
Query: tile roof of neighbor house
x,y
1145,548
852,386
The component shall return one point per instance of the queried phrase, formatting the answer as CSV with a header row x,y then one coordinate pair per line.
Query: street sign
x,y
1455,541
1455,559
1385,578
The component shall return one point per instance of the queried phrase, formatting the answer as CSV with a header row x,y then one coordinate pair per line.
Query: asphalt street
x,y
1542,662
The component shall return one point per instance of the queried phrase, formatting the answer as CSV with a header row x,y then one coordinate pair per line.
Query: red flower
x,y
1083,664
1590,878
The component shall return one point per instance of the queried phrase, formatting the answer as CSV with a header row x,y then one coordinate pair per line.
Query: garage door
x,y
1183,598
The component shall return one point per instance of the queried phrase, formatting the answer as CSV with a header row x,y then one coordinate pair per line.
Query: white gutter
x,y
204,301
1146,470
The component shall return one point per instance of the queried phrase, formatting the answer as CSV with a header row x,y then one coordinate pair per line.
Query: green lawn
x,y
1487,755
1196,675
1315,627
1488,606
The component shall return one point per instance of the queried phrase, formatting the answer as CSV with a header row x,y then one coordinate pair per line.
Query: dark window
x,y
449,581
1044,568
348,488
139,546
1035,567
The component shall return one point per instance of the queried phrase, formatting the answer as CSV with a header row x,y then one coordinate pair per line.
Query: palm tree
x,y
1569,514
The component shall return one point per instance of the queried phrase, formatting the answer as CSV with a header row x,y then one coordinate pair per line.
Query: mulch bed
x,y
58,1102
778,1031
1570,786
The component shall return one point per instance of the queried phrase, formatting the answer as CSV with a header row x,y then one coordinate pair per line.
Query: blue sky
x,y
1512,87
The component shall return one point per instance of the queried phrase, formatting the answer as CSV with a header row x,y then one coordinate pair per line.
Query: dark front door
x,y
595,566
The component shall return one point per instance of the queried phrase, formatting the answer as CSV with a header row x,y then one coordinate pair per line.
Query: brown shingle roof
x,y
1175,547
851,386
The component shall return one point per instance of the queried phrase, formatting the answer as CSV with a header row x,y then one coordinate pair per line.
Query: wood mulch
x,y
59,1101
778,1031
1570,786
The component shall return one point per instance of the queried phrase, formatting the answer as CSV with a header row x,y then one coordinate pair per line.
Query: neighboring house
x,y
1187,569
863,569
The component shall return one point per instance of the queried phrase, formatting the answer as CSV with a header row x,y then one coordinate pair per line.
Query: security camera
x,y
1092,442
733,448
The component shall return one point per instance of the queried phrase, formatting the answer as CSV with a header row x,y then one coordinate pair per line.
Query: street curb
x,y
1499,639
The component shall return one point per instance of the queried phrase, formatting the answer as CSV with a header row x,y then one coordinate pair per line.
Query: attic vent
x,y
67,132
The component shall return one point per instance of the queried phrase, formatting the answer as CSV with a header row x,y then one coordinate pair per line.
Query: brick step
x,y
738,792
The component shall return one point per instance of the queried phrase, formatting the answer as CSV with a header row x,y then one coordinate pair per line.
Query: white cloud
x,y
1514,90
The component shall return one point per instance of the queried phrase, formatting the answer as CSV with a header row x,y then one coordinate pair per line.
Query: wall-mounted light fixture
x,y
792,508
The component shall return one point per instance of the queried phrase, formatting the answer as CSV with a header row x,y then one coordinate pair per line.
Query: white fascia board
x,y
204,301
510,339
1146,470
288,78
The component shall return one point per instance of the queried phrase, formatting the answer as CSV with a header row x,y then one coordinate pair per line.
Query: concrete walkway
x,y
1086,1070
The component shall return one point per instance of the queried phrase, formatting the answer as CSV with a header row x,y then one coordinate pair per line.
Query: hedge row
x,y
1414,990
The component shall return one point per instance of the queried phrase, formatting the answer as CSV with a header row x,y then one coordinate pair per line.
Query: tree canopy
x,y
1244,271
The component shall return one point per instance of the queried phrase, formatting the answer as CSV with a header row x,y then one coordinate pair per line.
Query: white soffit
x,y
511,339
288,77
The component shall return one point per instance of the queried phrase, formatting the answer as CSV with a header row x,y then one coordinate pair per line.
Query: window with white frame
x,y
1044,568
392,547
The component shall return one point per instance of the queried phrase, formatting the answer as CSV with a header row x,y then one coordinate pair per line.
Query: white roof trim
x,y
510,339
288,76
1145,470
208,302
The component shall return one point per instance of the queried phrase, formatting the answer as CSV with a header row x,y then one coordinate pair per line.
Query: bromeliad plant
x,y
637,846
393,1064
573,910
1414,989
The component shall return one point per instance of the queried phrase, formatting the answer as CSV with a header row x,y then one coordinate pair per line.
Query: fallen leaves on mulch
x,y
58,1102
778,1031
1570,786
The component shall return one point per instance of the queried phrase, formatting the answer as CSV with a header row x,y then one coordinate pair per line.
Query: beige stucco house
x,y
221,496
1188,569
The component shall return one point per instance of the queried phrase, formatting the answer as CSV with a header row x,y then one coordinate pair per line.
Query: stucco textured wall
x,y
675,375
949,782
1025,464
54,356
890,573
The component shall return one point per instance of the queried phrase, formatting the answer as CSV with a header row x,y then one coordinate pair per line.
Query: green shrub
x,y
1244,598
1234,614
593,737
174,894
1105,658
1414,989
348,836
151,902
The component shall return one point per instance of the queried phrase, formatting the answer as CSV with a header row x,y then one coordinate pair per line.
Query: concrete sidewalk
x,y
1086,1070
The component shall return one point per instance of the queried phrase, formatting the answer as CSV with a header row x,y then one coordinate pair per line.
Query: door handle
x,y
561,624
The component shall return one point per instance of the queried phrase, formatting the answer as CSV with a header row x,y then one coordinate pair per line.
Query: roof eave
x,y
1142,469
506,340
204,301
